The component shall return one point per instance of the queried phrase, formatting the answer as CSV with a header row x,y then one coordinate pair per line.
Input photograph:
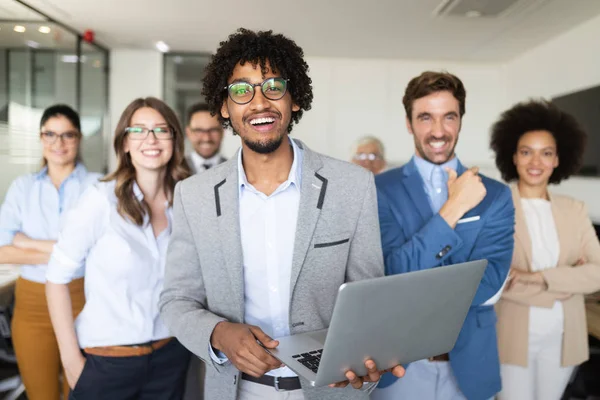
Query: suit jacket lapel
x,y
312,198
521,232
415,187
226,192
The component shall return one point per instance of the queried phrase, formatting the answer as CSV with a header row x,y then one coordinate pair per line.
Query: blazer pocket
x,y
330,244
468,225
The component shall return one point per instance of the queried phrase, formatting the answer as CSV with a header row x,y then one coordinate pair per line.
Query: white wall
x,y
358,97
133,74
567,63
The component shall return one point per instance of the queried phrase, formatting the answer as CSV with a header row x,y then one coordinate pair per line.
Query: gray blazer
x,y
337,240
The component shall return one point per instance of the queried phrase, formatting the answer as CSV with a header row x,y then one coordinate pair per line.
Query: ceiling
x,y
11,10
403,29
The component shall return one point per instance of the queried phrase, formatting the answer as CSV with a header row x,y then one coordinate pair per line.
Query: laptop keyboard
x,y
310,360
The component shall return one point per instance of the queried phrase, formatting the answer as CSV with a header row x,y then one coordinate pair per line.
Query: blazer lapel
x,y
313,196
521,232
226,192
414,185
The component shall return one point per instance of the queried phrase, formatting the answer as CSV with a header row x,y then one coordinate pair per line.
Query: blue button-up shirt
x,y
34,207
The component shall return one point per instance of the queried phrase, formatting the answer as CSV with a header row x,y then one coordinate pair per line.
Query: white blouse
x,y
545,249
124,270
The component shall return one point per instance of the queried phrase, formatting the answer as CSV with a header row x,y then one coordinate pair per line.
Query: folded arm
x,y
579,279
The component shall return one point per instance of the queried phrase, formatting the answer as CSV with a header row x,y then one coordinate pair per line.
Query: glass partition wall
x,y
44,63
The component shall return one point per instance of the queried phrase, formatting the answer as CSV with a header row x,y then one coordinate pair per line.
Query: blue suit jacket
x,y
413,238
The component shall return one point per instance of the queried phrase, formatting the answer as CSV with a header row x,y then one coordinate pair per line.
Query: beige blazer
x,y
566,282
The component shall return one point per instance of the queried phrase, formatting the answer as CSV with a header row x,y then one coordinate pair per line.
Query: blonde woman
x,y
118,348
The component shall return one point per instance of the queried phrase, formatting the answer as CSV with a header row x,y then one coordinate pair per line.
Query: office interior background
x,y
361,56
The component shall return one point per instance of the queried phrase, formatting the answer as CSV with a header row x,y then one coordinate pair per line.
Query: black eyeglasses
x,y
243,92
141,133
51,137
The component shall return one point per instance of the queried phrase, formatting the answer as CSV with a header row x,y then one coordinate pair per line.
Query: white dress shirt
x,y
124,270
268,232
545,249
200,162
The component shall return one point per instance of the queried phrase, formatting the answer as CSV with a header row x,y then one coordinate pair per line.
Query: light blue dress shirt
x,y
34,207
435,180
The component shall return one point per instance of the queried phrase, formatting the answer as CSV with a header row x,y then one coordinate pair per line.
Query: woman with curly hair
x,y
542,333
118,347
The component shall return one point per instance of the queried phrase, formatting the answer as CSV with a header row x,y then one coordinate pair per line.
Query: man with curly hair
x,y
435,212
261,243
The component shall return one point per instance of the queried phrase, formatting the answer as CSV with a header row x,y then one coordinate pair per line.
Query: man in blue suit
x,y
433,212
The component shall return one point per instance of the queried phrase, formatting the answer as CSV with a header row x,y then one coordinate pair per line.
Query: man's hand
x,y
464,193
239,342
373,375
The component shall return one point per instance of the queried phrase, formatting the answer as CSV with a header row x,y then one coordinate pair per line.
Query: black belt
x,y
280,384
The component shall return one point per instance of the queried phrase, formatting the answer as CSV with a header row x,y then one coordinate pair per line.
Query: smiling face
x,y
205,133
262,123
535,158
60,141
368,155
149,154
435,124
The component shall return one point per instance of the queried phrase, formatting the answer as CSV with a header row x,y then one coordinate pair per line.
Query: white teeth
x,y
534,171
266,120
151,152
437,145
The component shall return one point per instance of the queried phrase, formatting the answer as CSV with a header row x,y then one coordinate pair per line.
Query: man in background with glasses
x,y
369,153
205,133
262,242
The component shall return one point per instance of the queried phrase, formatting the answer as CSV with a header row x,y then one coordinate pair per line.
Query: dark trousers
x,y
156,376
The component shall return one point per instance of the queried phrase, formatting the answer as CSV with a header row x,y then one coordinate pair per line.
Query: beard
x,y
264,147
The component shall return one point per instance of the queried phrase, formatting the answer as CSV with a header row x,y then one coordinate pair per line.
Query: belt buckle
x,y
276,384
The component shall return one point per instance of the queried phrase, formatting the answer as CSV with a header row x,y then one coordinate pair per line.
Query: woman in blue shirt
x,y
30,219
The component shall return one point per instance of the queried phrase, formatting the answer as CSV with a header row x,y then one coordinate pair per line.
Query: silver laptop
x,y
392,320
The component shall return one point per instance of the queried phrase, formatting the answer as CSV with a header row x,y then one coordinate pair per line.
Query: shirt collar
x,y
78,173
425,167
199,161
294,177
137,192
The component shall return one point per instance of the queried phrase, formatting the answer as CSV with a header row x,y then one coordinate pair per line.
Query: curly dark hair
x,y
283,55
538,115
